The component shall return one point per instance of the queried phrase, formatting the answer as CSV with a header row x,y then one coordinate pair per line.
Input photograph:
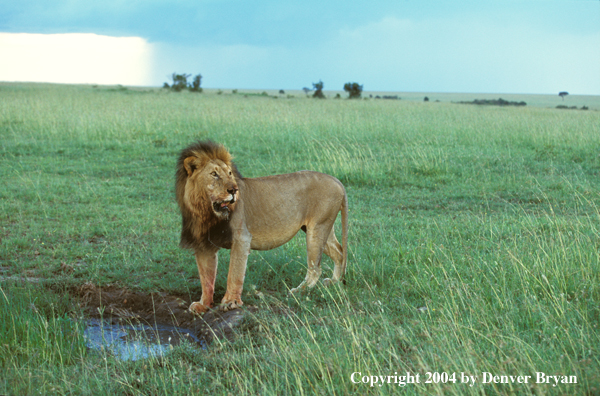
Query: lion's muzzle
x,y
224,206
232,190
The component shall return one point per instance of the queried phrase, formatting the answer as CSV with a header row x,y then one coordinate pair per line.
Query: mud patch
x,y
117,306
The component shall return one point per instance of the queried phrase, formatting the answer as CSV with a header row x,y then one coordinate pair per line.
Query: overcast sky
x,y
484,46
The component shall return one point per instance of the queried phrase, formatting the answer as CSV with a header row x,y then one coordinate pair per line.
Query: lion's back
x,y
297,187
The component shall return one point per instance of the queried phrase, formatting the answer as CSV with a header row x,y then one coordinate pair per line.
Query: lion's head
x,y
206,187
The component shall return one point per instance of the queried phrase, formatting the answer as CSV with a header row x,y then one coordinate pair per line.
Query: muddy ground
x,y
117,305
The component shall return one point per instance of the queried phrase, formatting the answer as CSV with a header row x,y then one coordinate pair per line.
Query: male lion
x,y
221,209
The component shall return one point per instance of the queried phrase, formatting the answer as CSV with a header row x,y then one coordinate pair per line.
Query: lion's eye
x,y
214,174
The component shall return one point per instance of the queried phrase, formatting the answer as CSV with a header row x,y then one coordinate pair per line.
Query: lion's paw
x,y
298,289
230,305
198,308
329,282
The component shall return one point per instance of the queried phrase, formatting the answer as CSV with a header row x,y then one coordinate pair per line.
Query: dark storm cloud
x,y
215,22
426,45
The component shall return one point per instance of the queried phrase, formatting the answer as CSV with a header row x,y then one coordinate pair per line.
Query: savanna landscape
x,y
474,241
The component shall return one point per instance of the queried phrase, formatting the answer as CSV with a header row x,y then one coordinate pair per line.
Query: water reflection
x,y
133,342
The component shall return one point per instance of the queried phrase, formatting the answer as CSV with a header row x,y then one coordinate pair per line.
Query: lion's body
x,y
254,213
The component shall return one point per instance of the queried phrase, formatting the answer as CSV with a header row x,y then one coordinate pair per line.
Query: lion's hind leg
x,y
334,250
316,240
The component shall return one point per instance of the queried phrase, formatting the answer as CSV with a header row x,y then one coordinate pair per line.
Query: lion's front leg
x,y
237,270
207,268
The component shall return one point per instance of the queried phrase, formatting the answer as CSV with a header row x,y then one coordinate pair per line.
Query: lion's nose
x,y
232,190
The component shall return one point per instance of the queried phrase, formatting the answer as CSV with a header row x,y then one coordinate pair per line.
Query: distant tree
x,y
281,92
354,90
426,99
318,90
195,86
179,81
563,94
306,90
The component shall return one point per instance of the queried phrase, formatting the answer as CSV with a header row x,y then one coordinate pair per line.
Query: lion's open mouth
x,y
223,206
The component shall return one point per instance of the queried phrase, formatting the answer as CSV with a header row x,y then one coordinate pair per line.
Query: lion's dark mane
x,y
208,232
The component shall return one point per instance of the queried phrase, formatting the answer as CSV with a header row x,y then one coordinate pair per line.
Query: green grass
x,y
474,240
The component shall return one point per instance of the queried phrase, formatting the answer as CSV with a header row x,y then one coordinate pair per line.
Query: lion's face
x,y
214,182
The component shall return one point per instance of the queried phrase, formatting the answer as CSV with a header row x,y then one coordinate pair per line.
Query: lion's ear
x,y
189,165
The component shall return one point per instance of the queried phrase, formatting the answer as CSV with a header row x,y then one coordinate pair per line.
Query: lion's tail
x,y
344,235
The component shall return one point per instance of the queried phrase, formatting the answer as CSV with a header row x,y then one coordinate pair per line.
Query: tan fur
x,y
220,209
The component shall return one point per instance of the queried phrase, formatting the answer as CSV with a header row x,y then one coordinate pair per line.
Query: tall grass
x,y
35,334
473,241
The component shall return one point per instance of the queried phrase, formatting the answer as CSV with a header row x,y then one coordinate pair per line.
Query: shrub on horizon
x,y
180,82
354,90
318,90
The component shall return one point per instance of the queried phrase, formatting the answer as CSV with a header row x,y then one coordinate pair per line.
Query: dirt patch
x,y
117,304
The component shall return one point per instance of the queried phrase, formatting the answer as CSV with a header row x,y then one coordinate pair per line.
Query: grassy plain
x,y
474,241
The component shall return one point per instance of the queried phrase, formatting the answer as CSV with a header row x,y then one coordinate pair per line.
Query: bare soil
x,y
117,304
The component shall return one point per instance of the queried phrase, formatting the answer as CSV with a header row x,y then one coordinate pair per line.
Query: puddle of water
x,y
133,342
